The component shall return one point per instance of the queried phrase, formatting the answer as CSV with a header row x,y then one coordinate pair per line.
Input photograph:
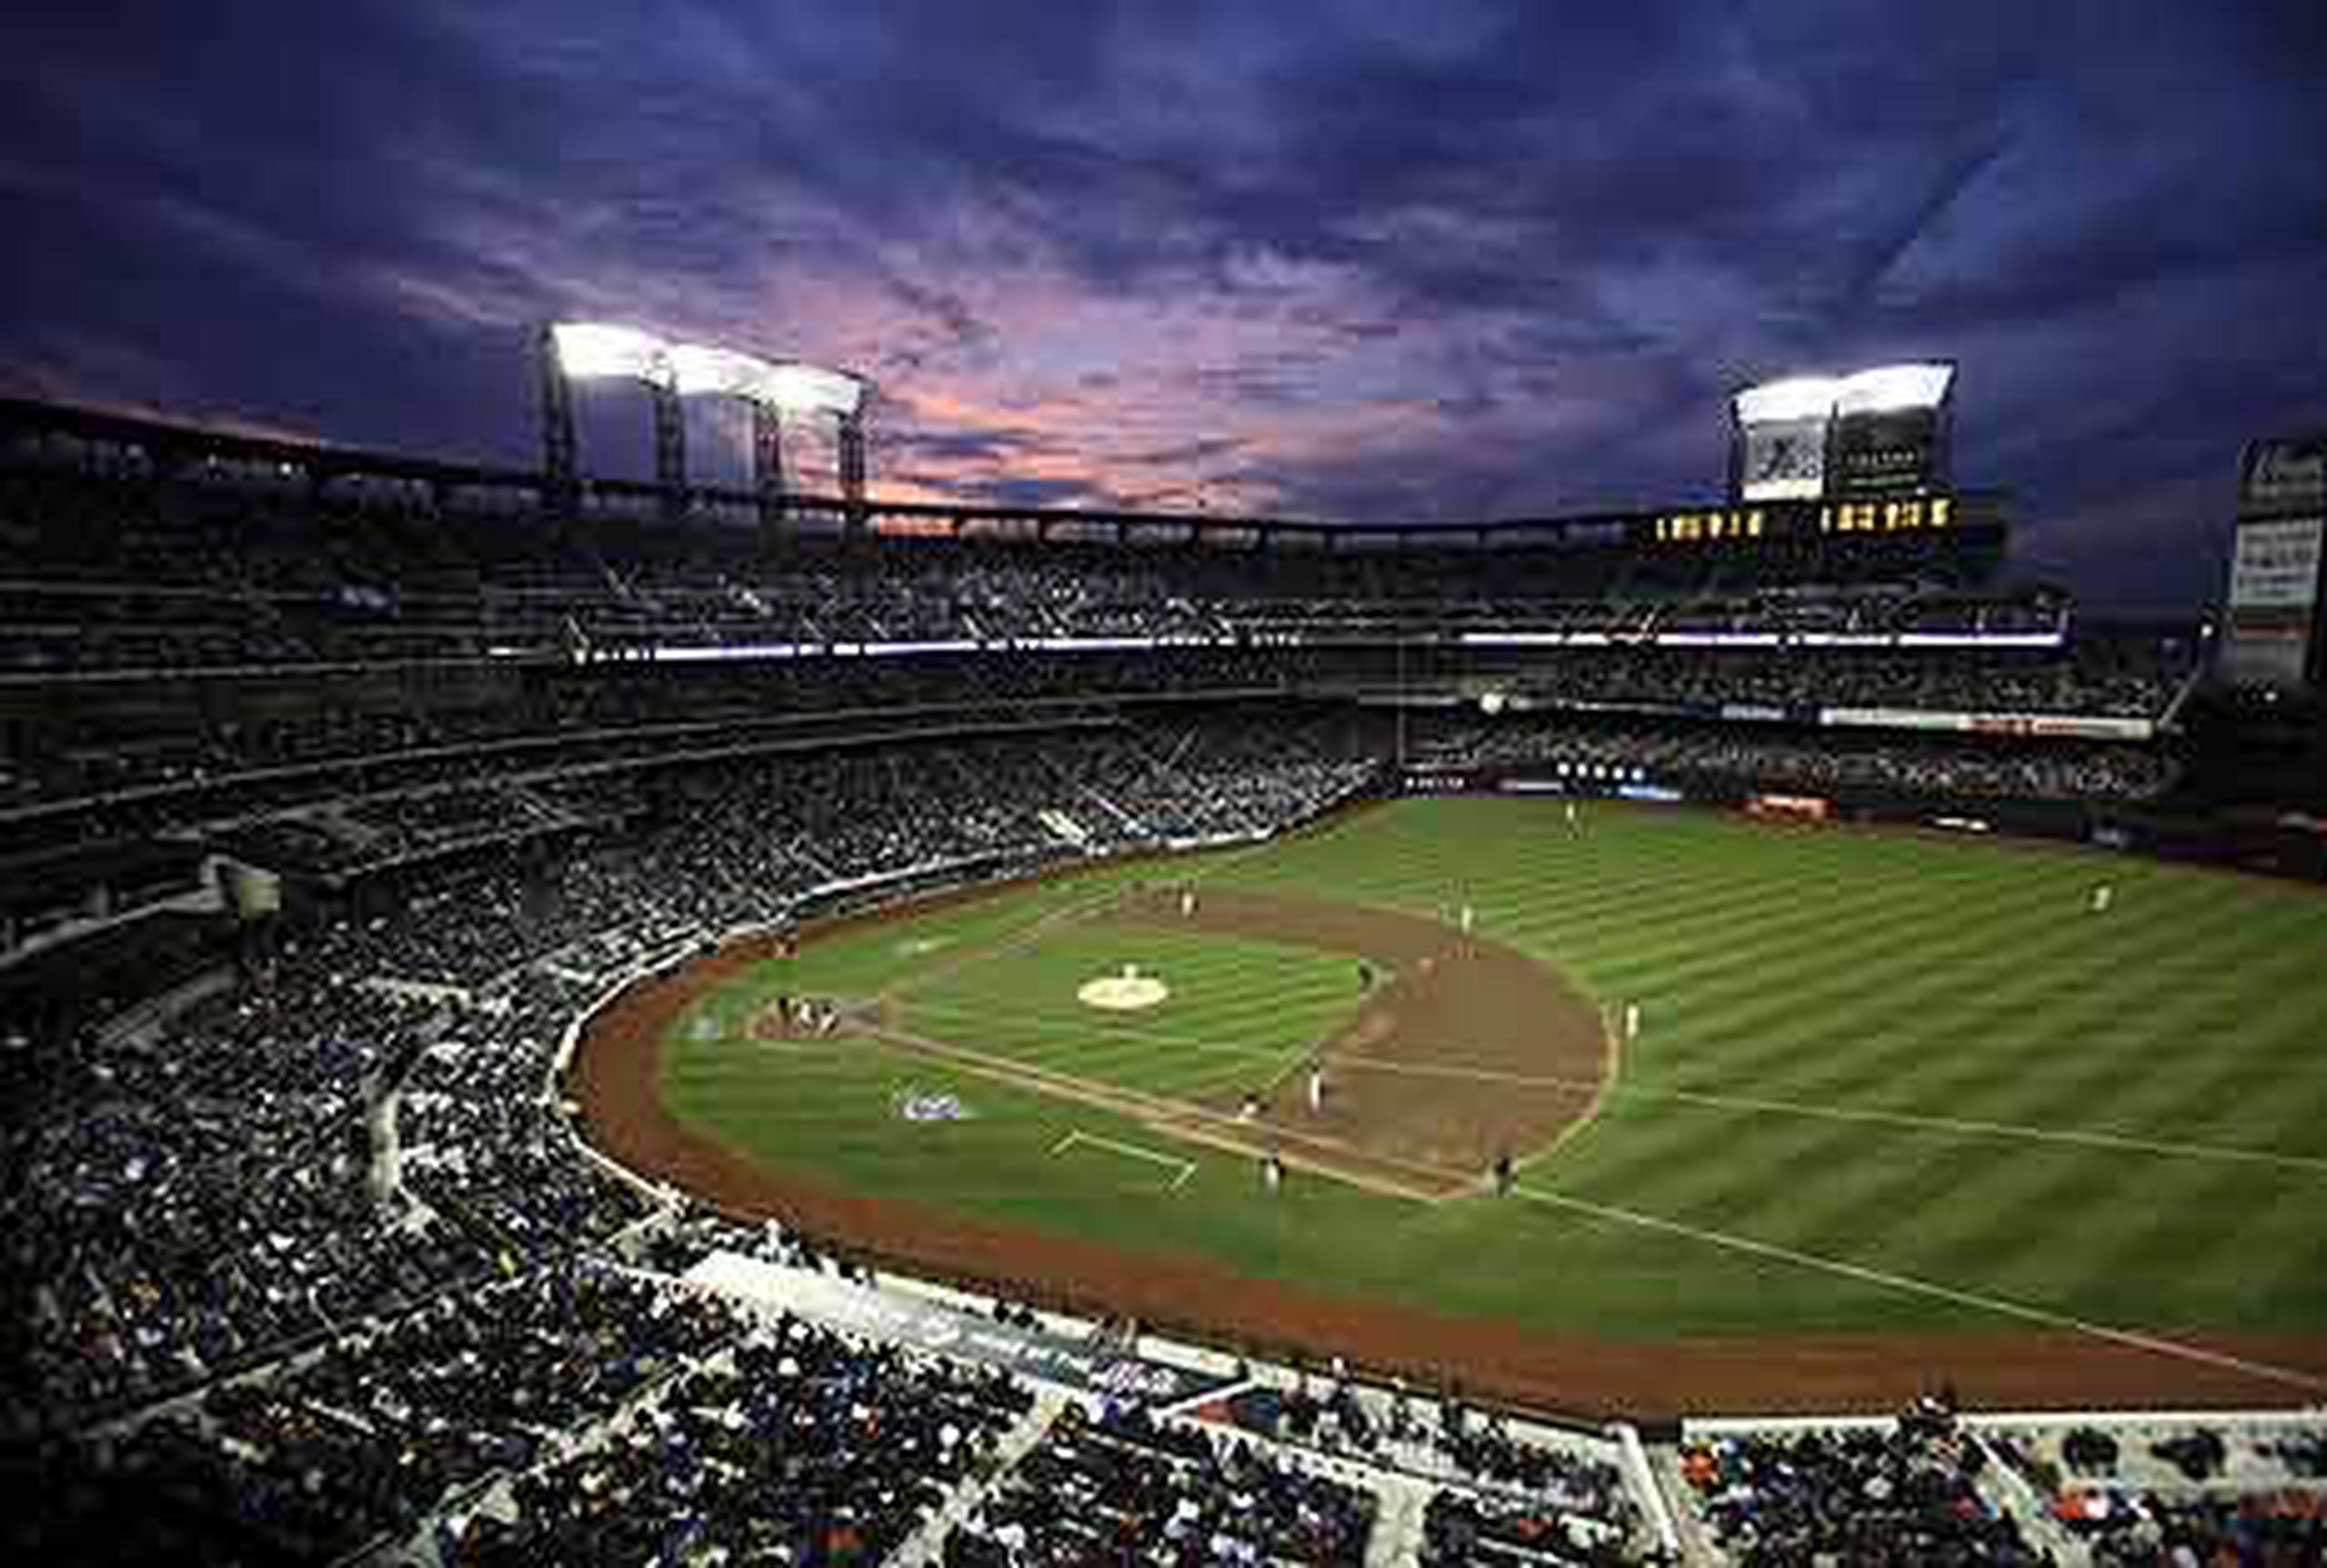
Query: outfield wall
x,y
2288,847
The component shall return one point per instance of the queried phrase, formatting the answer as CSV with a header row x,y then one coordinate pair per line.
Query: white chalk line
x,y
2132,1338
2116,1143
2119,1143
1185,1168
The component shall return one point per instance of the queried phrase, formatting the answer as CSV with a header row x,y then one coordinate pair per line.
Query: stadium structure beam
x,y
670,449
559,477
852,467
767,460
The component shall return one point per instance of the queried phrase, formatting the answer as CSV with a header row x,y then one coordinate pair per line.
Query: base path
x,y
613,1079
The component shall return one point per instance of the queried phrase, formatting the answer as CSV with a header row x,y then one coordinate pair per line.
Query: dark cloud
x,y
1366,259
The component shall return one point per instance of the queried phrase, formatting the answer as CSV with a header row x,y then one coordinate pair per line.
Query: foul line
x,y
2131,1338
2121,1142
1186,1167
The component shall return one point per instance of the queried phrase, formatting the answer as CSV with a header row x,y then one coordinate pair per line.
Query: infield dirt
x,y
1527,1052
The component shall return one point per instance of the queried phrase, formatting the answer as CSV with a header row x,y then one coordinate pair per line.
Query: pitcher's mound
x,y
1126,993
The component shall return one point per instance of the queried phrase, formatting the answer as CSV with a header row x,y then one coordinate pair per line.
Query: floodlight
x,y
1893,386
698,367
806,389
590,349
1797,397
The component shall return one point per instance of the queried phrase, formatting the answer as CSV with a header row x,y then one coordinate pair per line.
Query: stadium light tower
x,y
777,390
600,351
793,388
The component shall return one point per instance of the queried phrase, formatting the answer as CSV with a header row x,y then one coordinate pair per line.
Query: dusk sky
x,y
1367,261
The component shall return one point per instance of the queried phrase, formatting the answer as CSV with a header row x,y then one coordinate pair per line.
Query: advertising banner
x,y
1806,807
2077,726
2274,601
2284,475
937,1328
2275,566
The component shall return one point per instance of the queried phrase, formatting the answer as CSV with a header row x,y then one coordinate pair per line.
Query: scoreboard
x,y
1879,432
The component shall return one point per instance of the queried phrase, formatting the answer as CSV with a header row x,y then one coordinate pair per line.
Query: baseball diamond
x,y
1938,1016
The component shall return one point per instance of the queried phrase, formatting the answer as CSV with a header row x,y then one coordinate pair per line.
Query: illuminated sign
x,y
1703,527
1731,525
1903,514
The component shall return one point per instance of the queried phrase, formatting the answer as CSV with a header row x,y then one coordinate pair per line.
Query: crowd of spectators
x,y
746,840
1123,1487
1496,1487
1602,754
2285,1528
1461,1528
231,562
362,1441
479,1141
2141,1497
192,1199
796,1446
86,771
1907,1495
2120,678
199,1198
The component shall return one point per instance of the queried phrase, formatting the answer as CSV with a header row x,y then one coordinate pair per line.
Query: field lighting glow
x,y
1797,397
1890,387
699,367
1879,390
591,349
588,350
793,385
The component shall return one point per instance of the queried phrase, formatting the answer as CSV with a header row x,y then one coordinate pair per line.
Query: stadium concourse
x,y
334,795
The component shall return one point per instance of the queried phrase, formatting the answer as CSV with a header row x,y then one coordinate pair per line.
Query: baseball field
x,y
1795,1115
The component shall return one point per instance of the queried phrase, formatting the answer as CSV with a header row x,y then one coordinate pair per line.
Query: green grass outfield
x,y
1884,1080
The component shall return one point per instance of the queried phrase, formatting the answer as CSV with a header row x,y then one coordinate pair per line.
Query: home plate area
x,y
1129,992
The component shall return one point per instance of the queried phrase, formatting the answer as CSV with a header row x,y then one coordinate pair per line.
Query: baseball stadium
x,y
1512,1043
